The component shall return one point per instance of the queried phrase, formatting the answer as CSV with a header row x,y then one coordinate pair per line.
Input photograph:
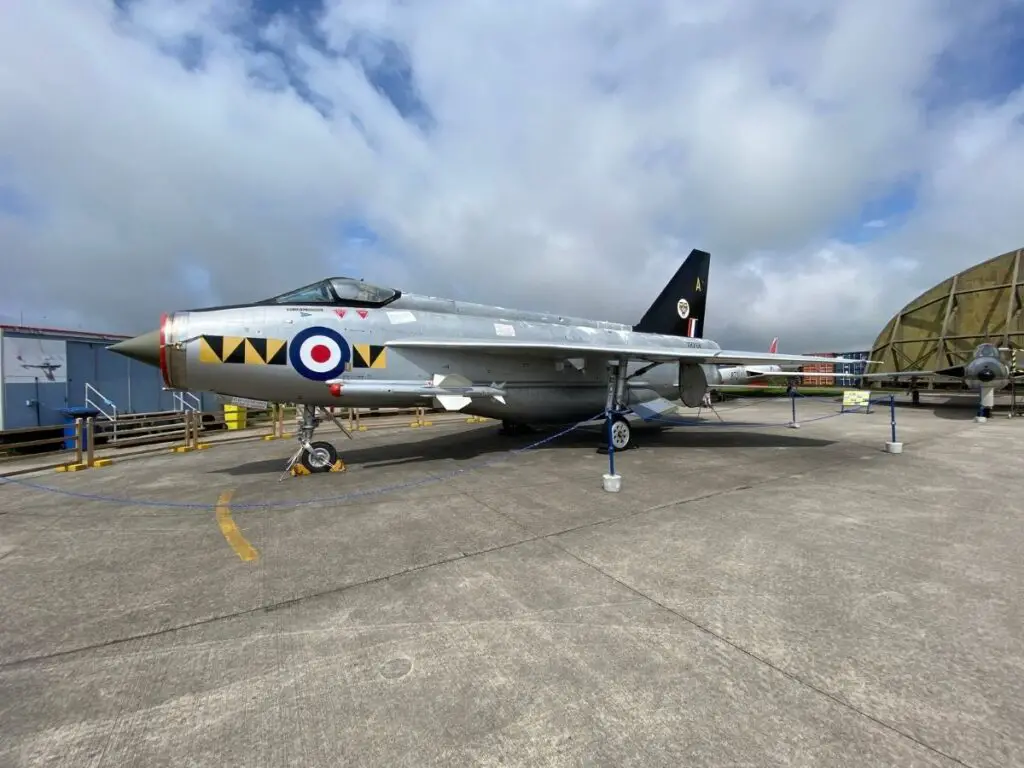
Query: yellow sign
x,y
242,350
855,398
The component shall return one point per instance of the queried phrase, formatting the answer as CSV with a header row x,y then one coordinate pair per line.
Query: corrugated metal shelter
x,y
43,370
942,326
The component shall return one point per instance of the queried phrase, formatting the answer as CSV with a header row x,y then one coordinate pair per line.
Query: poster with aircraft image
x,y
28,360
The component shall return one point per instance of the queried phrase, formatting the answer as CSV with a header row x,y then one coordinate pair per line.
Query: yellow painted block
x,y
71,467
102,462
181,448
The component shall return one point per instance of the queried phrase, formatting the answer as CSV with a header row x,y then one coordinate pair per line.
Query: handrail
x,y
186,401
110,414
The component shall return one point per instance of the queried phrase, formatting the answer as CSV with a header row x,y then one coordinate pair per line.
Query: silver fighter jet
x,y
347,343
985,373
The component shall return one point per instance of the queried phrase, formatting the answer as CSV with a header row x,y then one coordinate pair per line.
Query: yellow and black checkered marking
x,y
369,356
243,350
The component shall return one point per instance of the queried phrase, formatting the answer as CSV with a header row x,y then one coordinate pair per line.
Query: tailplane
x,y
679,309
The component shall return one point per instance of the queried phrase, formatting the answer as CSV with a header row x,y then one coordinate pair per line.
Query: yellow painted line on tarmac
x,y
238,542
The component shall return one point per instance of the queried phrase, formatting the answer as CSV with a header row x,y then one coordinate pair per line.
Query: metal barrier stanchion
x,y
276,423
893,446
90,438
420,421
79,436
79,462
355,421
793,423
197,425
187,445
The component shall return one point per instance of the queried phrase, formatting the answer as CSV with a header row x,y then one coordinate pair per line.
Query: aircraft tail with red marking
x,y
679,308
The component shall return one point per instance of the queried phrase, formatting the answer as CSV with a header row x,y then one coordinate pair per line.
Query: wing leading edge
x,y
560,349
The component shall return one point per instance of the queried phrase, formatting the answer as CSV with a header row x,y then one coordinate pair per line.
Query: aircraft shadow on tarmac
x,y
959,411
486,443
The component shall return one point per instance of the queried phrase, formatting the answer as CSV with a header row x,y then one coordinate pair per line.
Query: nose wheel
x,y
320,457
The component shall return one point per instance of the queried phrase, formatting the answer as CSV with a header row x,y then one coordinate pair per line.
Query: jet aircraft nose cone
x,y
144,348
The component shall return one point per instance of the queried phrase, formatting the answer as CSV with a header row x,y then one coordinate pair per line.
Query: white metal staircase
x,y
106,407
186,401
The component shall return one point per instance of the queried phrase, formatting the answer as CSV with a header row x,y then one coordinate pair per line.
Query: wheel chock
x,y
300,469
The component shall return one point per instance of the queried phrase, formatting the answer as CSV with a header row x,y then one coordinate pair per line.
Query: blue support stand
x,y
893,446
612,482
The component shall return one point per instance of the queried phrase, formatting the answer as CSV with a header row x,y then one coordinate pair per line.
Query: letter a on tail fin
x,y
679,308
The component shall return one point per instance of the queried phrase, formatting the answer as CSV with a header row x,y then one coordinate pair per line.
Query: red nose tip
x,y
335,390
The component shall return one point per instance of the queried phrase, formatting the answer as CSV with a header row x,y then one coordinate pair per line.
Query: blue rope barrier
x,y
352,495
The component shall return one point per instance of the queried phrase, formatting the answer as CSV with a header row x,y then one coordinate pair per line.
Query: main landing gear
x,y
618,433
513,428
319,456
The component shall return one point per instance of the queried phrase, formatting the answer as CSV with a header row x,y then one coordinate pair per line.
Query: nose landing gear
x,y
315,457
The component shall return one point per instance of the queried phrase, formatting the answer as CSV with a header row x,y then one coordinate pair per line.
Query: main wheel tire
x,y
513,428
622,433
323,456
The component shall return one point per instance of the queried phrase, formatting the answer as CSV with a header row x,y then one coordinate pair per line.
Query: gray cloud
x,y
556,155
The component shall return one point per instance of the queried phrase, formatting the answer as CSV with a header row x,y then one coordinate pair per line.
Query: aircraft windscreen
x,y
987,350
348,290
317,293
338,291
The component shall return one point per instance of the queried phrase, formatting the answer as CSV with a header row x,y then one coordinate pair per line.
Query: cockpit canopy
x,y
338,291
987,350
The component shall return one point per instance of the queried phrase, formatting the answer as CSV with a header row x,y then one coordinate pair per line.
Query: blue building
x,y
849,374
43,370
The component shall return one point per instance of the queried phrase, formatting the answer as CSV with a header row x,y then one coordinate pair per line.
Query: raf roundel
x,y
319,353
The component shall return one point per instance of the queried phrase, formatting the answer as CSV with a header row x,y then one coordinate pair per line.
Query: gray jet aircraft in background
x,y
985,373
348,343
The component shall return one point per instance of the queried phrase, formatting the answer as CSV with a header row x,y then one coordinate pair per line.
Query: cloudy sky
x,y
835,157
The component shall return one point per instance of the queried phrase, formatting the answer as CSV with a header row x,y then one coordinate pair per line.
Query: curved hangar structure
x,y
943,326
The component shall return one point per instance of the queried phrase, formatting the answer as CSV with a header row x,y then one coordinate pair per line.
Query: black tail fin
x,y
679,308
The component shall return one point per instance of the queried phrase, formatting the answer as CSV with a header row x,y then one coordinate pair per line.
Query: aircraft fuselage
x,y
289,354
